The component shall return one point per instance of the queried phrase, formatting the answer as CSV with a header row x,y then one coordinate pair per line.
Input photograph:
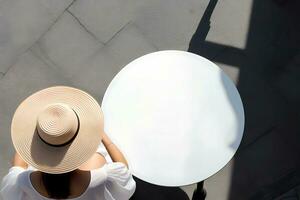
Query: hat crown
x,y
57,124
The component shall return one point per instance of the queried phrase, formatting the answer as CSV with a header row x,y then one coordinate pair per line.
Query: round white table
x,y
175,115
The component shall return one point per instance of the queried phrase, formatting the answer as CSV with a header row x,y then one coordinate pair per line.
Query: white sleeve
x,y
9,186
120,184
102,150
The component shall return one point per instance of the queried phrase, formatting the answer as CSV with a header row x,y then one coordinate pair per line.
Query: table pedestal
x,y
199,193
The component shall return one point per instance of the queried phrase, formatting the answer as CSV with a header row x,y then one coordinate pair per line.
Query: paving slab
x,y
169,24
129,44
230,23
106,62
103,18
96,74
22,23
67,45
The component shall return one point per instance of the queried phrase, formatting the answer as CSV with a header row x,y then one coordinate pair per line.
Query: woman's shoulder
x,y
120,183
22,178
14,183
113,171
117,169
14,176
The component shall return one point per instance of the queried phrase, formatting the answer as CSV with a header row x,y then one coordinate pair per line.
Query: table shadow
x,y
147,191
267,162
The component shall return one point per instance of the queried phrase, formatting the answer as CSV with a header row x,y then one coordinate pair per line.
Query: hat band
x,y
70,140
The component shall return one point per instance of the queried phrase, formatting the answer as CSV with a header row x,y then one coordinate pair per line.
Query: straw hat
x,y
57,129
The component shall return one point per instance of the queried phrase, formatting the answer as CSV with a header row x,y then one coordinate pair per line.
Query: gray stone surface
x,y
230,23
67,45
22,23
96,75
103,18
170,23
128,45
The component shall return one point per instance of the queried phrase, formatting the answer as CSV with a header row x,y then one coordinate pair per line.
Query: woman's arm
x,y
95,162
115,154
98,160
18,161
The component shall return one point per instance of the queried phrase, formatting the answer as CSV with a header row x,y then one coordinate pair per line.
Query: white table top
x,y
175,115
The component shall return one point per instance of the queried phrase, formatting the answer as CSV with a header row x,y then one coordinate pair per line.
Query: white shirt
x,y
113,181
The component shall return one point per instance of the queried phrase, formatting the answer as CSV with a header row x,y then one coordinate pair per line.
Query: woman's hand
x,y
18,161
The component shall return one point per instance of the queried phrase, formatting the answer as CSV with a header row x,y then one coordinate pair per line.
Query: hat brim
x,y
51,159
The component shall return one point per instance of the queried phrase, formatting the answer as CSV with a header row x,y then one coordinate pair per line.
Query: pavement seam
x,y
84,27
53,23
11,65
42,35
44,58
114,35
123,27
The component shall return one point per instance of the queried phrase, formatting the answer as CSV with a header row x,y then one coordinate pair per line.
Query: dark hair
x,y
57,185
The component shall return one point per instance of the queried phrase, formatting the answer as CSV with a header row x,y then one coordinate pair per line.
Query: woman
x,y
57,133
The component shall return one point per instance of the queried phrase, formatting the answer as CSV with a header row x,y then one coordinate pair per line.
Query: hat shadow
x,y
46,155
